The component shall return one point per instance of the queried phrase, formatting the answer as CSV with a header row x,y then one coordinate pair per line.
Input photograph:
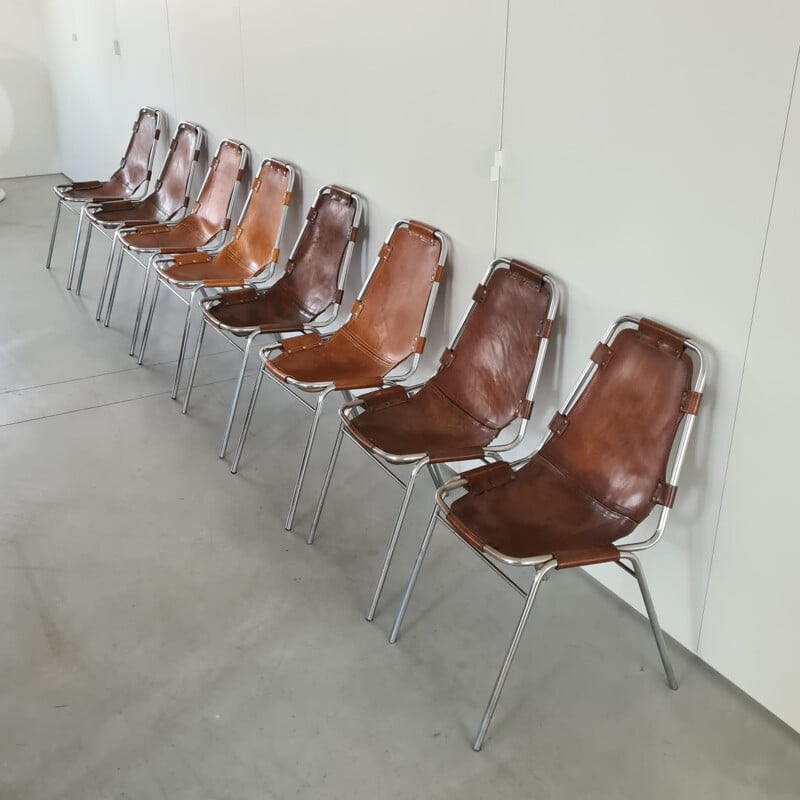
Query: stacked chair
x,y
132,177
251,254
167,202
612,454
386,328
203,229
306,297
486,380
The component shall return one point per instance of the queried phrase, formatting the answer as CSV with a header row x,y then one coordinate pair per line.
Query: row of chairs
x,y
613,451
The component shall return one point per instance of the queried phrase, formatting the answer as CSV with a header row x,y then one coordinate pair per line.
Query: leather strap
x,y
558,424
359,383
690,402
602,354
383,398
662,336
459,454
664,494
490,476
303,342
584,556
526,272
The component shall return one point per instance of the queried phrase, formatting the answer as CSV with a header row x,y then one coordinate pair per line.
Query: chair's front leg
x,y
387,559
638,573
187,324
53,235
79,282
337,445
149,322
75,247
412,579
512,649
142,300
195,361
106,277
247,419
298,486
236,394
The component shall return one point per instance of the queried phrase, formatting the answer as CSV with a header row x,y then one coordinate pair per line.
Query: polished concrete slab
x,y
163,636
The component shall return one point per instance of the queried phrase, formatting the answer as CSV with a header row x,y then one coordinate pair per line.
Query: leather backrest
x,y
387,322
312,275
223,173
620,431
172,189
488,372
256,236
133,171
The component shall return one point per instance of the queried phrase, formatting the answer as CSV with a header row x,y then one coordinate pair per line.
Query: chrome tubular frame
x,y
419,460
79,206
545,563
235,335
195,287
146,258
327,388
110,229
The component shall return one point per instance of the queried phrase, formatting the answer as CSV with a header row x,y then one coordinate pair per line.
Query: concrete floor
x,y
164,637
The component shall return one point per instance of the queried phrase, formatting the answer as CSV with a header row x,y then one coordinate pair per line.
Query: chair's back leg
x,y
53,235
142,300
337,445
512,649
187,324
113,294
412,579
638,573
150,312
106,277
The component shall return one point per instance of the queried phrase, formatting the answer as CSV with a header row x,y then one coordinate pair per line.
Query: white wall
x,y
641,142
28,141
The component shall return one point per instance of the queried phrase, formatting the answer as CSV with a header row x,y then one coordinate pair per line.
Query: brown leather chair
x,y
307,296
251,254
613,453
169,200
133,176
204,228
485,382
386,328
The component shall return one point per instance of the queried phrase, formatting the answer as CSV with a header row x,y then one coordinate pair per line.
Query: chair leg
x,y
248,417
53,235
236,394
79,283
412,579
512,649
140,308
75,247
151,311
638,572
387,559
195,360
106,277
187,324
337,445
298,486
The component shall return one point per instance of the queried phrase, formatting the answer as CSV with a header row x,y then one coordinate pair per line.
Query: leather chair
x,y
307,296
204,228
169,200
614,452
250,255
386,329
485,382
132,177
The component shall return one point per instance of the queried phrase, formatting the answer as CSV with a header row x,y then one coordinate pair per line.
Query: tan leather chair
x,y
613,453
386,329
132,177
204,228
168,201
251,254
485,382
307,296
